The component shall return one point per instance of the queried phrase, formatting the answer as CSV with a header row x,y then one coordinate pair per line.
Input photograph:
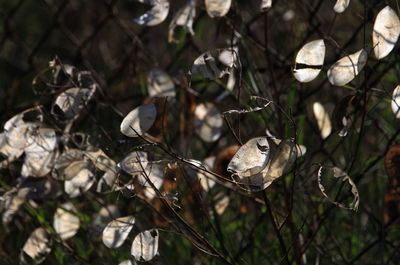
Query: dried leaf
x,y
347,68
217,8
145,245
160,84
396,102
392,165
211,65
391,208
340,175
392,197
309,61
116,232
65,223
183,18
139,120
341,5
323,120
134,163
70,102
208,122
251,158
155,15
386,32
37,247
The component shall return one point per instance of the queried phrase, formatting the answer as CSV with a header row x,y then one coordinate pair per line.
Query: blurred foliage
x,y
100,36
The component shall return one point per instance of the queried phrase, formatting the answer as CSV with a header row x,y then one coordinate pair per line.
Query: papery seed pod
x,y
309,61
386,32
347,68
145,245
155,15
